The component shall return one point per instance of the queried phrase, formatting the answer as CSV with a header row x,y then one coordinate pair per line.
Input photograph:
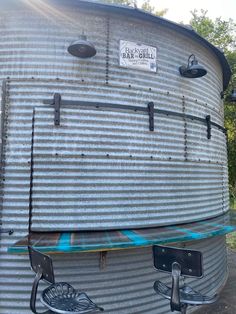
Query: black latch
x,y
151,116
208,121
57,105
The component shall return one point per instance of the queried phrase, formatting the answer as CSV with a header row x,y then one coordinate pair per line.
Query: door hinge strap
x,y
151,116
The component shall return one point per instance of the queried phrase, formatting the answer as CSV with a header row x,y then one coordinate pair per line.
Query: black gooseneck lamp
x,y
82,48
193,69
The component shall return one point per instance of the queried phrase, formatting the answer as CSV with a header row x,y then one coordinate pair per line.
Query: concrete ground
x,y
226,303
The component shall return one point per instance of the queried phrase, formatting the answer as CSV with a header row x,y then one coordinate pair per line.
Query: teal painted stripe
x,y
190,233
136,238
64,243
222,228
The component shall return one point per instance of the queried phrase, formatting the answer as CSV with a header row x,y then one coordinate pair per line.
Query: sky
x,y
179,10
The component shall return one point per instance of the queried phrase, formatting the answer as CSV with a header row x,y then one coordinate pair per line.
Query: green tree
x,y
123,2
219,32
222,34
146,6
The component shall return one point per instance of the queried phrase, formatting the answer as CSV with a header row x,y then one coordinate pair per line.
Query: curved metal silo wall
x,y
175,173
124,286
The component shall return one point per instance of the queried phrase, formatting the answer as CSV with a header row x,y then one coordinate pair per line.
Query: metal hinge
x,y
208,122
57,107
151,116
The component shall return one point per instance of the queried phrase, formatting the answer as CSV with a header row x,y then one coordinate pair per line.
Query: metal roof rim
x,y
135,12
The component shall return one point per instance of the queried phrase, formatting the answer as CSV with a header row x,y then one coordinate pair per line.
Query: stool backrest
x,y
190,261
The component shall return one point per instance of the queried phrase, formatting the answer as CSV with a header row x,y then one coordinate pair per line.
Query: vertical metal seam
x,y
223,196
107,49
3,141
31,174
185,130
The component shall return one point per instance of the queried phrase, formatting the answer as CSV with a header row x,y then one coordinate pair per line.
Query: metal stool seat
x,y
179,262
63,298
59,297
187,294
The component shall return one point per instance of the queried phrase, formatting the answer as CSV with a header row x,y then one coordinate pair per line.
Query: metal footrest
x,y
64,299
187,294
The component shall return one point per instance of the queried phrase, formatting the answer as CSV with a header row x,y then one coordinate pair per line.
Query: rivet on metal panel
x,y
103,260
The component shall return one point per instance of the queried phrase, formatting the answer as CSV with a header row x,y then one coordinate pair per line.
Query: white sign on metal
x,y
138,56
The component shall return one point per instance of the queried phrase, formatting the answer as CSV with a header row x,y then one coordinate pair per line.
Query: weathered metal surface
x,y
124,286
111,170
174,168
33,56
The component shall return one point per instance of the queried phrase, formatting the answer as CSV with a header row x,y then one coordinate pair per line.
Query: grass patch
x,y
231,237
231,240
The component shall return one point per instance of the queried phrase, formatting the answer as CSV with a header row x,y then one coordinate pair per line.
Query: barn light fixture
x,y
193,69
233,95
82,48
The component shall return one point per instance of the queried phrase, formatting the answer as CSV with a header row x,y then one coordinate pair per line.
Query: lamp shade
x,y
82,48
193,69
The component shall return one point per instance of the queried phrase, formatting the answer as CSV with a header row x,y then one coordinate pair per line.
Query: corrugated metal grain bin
x,y
120,140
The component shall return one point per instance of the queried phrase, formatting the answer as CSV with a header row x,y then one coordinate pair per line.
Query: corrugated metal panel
x,y
28,49
35,44
34,39
125,286
199,147
170,56
166,172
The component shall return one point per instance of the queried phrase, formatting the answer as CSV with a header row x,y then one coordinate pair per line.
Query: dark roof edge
x,y
134,12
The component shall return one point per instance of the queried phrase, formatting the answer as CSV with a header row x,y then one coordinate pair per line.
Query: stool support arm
x,y
34,291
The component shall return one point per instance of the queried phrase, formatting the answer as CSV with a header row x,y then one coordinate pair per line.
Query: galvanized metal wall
x,y
124,286
104,168
33,56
